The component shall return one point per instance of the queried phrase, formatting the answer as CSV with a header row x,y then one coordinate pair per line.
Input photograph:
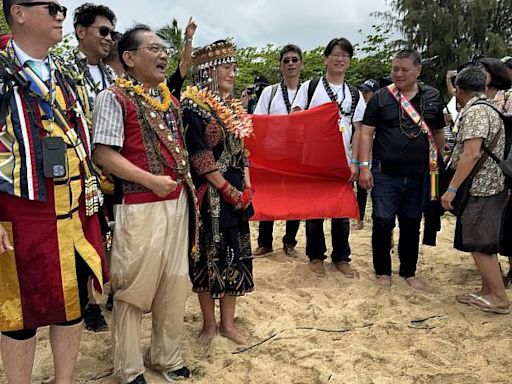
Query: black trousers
x,y
265,236
82,273
315,239
362,198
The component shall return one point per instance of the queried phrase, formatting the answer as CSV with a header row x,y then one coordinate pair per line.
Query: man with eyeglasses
x,y
94,29
277,99
333,87
50,240
138,133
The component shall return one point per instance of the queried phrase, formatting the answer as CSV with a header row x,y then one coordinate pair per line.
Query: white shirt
x,y
43,65
320,97
277,104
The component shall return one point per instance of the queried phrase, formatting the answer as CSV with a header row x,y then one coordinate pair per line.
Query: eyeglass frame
x,y
161,48
288,60
51,5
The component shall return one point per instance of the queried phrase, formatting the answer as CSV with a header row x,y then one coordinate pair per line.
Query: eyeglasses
x,y
341,55
53,8
154,48
105,31
288,60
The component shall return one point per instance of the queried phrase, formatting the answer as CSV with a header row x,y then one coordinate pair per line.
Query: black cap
x,y
370,85
261,80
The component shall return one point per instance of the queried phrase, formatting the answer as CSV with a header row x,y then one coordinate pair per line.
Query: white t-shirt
x,y
320,97
277,106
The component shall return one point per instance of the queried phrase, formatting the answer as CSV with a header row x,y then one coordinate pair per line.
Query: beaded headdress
x,y
205,60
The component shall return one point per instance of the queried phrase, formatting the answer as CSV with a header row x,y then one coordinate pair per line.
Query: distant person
x,y
478,227
251,95
368,89
277,99
402,128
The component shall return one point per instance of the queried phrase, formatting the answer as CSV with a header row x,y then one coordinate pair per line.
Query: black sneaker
x,y
93,318
177,375
138,380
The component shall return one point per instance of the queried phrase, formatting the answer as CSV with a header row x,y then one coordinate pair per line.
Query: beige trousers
x,y
149,273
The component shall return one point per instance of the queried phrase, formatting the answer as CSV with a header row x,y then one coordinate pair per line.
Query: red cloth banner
x,y
299,168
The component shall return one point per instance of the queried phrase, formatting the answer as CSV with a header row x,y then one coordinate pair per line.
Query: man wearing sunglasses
x,y
277,99
50,239
94,30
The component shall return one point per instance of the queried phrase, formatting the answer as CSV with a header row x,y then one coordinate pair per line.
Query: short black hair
x,y
341,42
471,79
129,41
290,48
6,6
86,14
410,54
498,71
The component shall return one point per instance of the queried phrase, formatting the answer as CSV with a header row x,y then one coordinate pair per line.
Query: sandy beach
x,y
335,329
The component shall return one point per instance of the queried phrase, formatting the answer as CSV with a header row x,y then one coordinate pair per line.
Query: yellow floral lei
x,y
231,112
161,106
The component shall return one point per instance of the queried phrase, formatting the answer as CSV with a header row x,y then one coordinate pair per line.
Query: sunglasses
x,y
105,31
53,8
289,60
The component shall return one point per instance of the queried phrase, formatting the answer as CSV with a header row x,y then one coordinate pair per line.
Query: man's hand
x,y
162,185
354,171
365,178
191,28
447,199
5,244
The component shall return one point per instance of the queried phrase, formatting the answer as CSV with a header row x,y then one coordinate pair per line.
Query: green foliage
x,y
64,47
453,29
4,28
171,34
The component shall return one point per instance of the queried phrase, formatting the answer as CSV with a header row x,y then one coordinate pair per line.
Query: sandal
x,y
466,298
486,306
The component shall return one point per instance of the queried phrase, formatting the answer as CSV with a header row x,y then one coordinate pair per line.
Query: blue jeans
x,y
403,197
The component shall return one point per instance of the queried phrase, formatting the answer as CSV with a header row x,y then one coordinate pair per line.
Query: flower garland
x,y
162,106
231,112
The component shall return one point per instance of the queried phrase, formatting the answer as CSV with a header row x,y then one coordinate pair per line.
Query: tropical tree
x,y
454,30
171,34
4,28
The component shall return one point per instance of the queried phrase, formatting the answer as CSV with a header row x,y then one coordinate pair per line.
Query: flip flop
x,y
485,305
466,298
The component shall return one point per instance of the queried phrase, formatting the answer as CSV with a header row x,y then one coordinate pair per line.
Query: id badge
x,y
341,126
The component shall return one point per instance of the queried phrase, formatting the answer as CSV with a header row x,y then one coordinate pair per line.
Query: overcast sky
x,y
307,23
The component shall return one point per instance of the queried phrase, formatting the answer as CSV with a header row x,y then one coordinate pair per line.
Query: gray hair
x,y
410,54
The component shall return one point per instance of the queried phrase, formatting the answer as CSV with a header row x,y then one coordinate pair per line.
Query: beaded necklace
x,y
284,91
403,119
334,95
161,106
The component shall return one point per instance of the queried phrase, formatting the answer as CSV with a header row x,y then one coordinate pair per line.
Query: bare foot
x,y
415,283
234,334
384,281
207,335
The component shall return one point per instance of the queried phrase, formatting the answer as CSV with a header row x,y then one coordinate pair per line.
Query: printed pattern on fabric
x,y
480,121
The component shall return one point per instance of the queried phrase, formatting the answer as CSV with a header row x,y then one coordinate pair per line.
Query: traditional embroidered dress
x,y
225,262
47,220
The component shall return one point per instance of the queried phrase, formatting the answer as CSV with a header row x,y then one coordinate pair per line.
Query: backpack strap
x,y
489,149
273,92
354,93
311,89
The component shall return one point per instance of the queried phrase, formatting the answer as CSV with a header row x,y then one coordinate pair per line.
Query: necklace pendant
x,y
341,125
51,127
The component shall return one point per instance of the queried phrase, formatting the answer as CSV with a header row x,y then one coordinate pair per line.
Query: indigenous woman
x,y
215,126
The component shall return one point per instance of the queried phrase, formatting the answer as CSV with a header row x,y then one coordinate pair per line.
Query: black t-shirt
x,y
175,83
398,153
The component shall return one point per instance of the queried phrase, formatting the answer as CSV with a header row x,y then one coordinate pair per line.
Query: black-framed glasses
x,y
53,8
105,31
288,60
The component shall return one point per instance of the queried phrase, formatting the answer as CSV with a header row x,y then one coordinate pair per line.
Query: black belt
x,y
64,182
68,215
